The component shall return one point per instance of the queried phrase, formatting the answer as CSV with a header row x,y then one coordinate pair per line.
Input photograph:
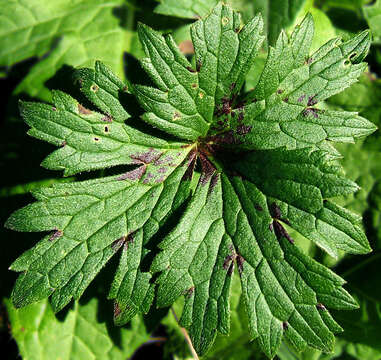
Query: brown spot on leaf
x,y
308,60
160,179
321,307
301,98
94,88
186,47
54,108
190,69
271,227
194,85
213,182
231,269
285,99
227,261
107,118
133,174
243,129
312,100
130,238
176,116
57,234
117,244
117,310
83,110
162,170
280,232
309,111
96,139
280,91
285,325
275,211
147,157
107,129
240,260
198,64
207,167
192,157
189,292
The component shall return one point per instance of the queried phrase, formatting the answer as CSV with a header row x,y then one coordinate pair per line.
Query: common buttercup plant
x,y
265,163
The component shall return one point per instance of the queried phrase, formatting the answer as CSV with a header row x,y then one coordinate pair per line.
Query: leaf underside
x,y
266,164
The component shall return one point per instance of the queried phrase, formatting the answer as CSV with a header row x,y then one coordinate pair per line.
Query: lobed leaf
x,y
265,164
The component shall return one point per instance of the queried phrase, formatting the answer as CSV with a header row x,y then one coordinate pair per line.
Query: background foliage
x,y
41,42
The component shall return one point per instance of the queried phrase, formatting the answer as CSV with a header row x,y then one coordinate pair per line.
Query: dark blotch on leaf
x,y
312,100
192,157
240,260
133,174
275,211
280,232
147,157
107,119
189,292
57,234
198,65
312,111
83,110
117,310
227,262
243,129
301,98
117,244
207,167
321,307
285,325
213,182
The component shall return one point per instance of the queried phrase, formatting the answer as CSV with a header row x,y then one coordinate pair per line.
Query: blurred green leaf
x,y
79,336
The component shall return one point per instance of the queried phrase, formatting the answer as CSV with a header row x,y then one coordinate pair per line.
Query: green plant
x,y
216,178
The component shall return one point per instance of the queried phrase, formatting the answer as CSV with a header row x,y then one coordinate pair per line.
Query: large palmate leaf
x,y
265,164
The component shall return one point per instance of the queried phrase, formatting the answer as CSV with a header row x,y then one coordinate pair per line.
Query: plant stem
x,y
187,338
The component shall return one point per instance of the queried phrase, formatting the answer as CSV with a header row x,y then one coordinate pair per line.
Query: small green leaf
x,y
372,14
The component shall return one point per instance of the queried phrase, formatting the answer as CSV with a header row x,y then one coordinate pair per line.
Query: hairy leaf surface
x,y
263,162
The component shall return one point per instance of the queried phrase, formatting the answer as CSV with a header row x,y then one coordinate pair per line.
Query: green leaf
x,y
372,15
185,100
40,335
74,33
181,234
281,110
186,8
277,14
